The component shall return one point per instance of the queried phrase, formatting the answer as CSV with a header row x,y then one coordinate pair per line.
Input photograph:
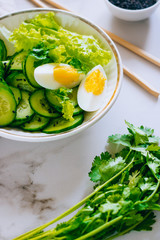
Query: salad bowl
x,y
113,70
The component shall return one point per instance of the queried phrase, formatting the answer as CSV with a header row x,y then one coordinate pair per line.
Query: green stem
x,y
149,198
128,229
99,229
48,233
29,234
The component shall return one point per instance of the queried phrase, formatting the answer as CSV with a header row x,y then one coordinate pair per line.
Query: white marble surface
x,y
38,181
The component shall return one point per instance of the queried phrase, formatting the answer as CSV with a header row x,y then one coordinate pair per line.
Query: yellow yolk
x,y
65,75
95,82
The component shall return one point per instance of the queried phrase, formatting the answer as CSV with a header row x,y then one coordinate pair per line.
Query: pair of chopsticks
x,y
122,42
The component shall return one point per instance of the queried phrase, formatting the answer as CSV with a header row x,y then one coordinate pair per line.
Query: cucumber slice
x,y
3,51
17,61
40,105
29,70
60,124
17,123
17,79
77,110
3,84
37,123
54,100
17,94
7,107
2,71
24,111
6,65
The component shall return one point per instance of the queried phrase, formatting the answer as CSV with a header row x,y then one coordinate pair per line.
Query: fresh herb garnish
x,y
126,194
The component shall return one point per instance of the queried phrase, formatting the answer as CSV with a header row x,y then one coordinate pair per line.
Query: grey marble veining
x,y
36,183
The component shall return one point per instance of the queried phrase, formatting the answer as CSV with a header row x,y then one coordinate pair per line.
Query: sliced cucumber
x,y
55,100
17,61
29,70
3,51
24,111
40,105
3,84
77,110
6,65
37,123
18,123
60,124
2,71
17,79
7,107
17,94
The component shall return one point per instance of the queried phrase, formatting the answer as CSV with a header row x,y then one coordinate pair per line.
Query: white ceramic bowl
x,y
113,70
132,15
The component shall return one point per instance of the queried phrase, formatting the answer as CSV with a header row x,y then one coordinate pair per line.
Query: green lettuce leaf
x,y
64,101
83,52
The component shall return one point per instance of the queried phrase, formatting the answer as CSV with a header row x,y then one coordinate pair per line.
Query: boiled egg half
x,y
93,90
56,75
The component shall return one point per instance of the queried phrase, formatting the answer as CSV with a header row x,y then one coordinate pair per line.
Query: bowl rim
x,y
134,10
101,113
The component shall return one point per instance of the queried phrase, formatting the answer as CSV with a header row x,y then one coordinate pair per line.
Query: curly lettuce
x,y
82,52
63,100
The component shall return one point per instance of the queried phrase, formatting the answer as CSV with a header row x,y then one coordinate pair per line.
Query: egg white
x,y
44,76
87,100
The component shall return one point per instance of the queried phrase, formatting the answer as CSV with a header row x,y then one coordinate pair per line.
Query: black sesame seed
x,y
133,4
13,111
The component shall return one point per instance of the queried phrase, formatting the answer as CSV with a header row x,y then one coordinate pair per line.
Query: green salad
x,y
42,43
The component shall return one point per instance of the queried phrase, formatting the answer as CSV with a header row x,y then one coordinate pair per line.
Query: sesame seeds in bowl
x,y
132,10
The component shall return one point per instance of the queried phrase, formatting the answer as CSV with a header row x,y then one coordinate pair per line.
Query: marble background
x,y
38,181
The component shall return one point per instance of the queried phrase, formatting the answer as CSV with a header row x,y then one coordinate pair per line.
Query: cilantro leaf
x,y
105,167
154,164
123,140
140,134
153,148
147,223
94,174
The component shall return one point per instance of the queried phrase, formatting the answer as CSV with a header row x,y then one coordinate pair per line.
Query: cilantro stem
x,y
128,229
78,205
99,229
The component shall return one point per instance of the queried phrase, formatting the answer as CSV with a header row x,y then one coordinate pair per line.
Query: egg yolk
x,y
65,75
95,82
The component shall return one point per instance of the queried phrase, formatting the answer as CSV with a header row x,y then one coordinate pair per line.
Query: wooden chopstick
x,y
147,56
148,87
56,5
126,71
38,3
118,40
